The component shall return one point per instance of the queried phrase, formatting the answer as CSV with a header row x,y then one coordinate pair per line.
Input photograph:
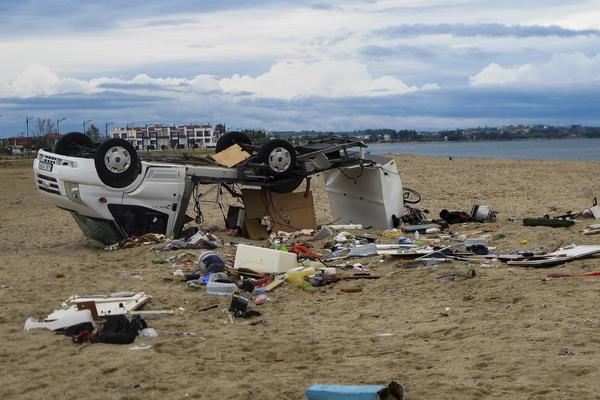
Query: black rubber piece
x,y
70,144
229,139
411,196
288,185
110,178
271,145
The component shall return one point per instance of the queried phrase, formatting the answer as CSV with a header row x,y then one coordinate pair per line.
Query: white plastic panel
x,y
367,196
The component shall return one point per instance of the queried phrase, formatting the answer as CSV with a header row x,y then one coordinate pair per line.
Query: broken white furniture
x,y
111,304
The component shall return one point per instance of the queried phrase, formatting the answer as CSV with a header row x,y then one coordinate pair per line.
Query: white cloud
x,y
562,68
284,80
39,80
288,80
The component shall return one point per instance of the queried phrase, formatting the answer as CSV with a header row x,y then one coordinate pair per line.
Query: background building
x,y
156,137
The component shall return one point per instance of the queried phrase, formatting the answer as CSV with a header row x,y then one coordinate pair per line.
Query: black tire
x,y
279,157
71,143
410,196
229,139
288,185
112,152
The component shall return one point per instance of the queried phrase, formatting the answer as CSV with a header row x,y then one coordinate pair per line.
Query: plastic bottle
x,y
221,289
392,233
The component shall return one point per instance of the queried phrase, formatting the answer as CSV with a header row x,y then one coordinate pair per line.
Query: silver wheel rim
x,y
280,159
117,159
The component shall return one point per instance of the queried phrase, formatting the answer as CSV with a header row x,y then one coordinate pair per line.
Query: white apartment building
x,y
156,137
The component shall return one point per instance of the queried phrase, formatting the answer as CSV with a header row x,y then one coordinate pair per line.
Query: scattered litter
x,y
392,391
221,288
140,348
351,290
209,307
547,221
148,333
469,274
152,314
565,352
366,250
324,233
563,275
343,237
343,227
560,256
445,313
109,304
593,229
60,319
482,213
264,260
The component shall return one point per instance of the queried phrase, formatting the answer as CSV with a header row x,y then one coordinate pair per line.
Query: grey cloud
x,y
398,50
490,29
449,106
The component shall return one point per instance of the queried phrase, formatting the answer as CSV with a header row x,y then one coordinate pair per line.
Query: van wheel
x,y
229,139
279,156
71,144
117,163
288,185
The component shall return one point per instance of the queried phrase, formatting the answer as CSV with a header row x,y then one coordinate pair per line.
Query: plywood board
x,y
231,156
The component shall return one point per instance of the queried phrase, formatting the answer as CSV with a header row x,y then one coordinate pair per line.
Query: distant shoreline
x,y
482,140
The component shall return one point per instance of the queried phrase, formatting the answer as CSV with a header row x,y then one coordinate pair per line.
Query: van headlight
x,y
72,190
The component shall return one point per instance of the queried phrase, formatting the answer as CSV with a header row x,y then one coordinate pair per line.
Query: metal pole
x,y
27,119
58,121
84,124
106,128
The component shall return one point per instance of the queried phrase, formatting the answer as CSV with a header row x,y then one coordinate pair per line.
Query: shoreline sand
x,y
502,338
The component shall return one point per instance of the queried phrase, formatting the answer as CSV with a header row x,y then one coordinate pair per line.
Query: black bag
x,y
119,330
454,217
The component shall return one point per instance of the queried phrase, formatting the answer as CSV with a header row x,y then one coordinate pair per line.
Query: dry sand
x,y
501,339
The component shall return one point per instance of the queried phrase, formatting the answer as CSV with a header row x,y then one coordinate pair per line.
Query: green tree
x,y
220,129
92,132
173,143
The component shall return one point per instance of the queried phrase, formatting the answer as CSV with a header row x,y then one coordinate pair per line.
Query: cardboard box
x,y
288,212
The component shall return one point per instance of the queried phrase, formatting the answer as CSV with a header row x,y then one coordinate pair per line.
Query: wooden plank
x,y
273,284
231,156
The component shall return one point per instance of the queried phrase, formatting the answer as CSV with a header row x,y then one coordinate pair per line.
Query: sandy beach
x,y
504,336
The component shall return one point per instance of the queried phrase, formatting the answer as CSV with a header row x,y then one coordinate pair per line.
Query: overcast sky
x,y
292,65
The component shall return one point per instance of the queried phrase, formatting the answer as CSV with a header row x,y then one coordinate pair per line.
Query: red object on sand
x,y
304,251
561,275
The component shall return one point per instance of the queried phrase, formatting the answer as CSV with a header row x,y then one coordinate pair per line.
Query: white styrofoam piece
x,y
60,319
264,260
367,195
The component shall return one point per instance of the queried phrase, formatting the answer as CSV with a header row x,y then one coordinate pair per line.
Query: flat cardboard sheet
x,y
231,156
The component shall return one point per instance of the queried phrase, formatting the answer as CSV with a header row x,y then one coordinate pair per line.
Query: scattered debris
x,y
392,391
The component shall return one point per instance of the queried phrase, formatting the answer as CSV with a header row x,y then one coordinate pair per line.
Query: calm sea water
x,y
551,149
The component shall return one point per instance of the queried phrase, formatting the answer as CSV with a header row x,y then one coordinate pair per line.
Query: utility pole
x,y
58,121
84,124
127,131
27,119
106,128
